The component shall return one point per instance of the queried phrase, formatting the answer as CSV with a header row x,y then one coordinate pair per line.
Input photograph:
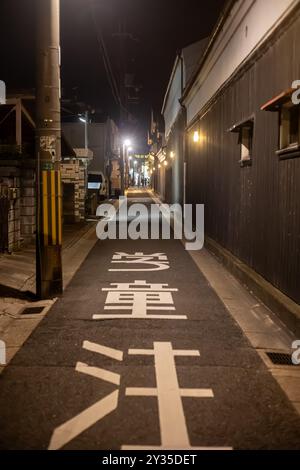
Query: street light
x,y
85,121
127,142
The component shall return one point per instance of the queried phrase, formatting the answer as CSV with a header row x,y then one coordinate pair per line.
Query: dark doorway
x,y
69,203
168,187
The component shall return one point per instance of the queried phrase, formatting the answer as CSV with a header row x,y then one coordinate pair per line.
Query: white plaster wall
x,y
248,25
172,105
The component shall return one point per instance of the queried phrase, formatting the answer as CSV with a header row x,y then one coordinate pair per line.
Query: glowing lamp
x,y
196,136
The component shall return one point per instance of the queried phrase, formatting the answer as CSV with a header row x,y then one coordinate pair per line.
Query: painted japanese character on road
x,y
150,262
139,297
173,427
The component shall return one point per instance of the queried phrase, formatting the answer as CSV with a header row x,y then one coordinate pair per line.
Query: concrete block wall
x,y
11,187
28,205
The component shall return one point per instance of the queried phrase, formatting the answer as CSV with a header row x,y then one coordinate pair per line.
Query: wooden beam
x,y
24,110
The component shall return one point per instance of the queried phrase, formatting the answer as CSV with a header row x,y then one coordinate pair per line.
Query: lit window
x,y
245,131
245,140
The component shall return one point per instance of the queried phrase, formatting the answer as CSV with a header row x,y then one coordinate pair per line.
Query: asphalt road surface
x,y
181,375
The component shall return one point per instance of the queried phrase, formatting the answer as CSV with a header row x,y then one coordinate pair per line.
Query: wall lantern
x,y
196,136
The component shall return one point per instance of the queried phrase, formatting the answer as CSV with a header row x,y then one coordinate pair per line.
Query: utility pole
x,y
86,123
48,152
122,169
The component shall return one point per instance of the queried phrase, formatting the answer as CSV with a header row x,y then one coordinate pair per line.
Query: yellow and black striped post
x,y
51,208
48,152
49,235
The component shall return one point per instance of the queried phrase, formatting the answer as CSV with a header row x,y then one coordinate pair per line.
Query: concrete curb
x,y
285,308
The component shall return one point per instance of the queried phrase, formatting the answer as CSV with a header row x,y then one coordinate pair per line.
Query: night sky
x,y
151,33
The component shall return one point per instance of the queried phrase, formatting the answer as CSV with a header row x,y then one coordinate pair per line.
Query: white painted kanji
x,y
139,297
72,428
153,262
173,428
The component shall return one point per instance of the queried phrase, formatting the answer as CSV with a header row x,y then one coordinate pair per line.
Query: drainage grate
x,y
32,310
280,359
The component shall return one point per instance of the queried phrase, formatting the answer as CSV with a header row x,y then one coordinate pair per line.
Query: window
x,y
245,129
289,124
245,140
289,127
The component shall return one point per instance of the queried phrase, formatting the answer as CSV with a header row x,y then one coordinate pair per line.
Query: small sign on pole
x,y
2,92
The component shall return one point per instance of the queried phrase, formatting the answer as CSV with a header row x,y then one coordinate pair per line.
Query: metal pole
x,y
126,169
86,122
48,152
122,162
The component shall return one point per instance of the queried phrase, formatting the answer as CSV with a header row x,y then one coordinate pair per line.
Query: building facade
x,y
102,140
243,139
18,175
175,121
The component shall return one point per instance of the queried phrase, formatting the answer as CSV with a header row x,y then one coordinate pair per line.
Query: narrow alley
x,y
140,353
149,232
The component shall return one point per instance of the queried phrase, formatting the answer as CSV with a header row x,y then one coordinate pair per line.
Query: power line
x,y
106,61
105,58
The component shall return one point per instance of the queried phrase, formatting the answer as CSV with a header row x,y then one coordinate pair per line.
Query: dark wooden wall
x,y
254,212
176,144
